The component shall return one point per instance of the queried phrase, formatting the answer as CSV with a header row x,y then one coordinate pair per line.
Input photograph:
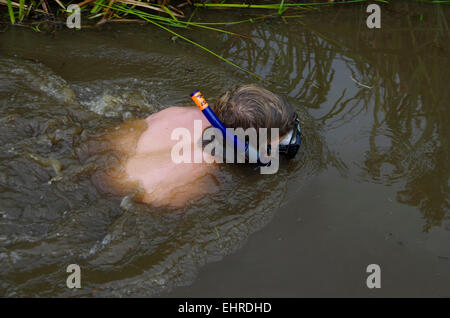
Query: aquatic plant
x,y
173,10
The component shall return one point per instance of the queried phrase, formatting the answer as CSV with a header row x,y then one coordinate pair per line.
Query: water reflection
x,y
402,79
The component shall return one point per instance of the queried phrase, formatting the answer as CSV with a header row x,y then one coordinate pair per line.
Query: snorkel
x,y
241,147
289,148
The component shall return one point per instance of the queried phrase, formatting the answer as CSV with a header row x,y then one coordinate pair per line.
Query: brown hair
x,y
251,105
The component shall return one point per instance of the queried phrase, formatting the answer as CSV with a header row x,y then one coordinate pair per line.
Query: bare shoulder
x,y
161,125
174,112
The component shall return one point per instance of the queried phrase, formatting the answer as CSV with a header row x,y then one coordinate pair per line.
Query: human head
x,y
250,105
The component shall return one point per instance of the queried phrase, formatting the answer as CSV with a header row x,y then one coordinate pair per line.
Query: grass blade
x,y
11,12
21,9
145,16
276,5
280,9
207,50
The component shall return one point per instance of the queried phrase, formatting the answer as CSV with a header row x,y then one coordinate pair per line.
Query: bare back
x,y
149,165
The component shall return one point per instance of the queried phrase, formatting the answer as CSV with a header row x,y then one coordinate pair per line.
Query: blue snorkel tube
x,y
242,147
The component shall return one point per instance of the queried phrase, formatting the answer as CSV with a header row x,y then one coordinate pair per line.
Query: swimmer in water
x,y
147,144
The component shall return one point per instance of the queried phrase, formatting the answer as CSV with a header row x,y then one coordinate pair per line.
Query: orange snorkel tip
x,y
199,100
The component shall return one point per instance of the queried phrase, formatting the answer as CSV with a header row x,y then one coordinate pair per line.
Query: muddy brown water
x,y
369,186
